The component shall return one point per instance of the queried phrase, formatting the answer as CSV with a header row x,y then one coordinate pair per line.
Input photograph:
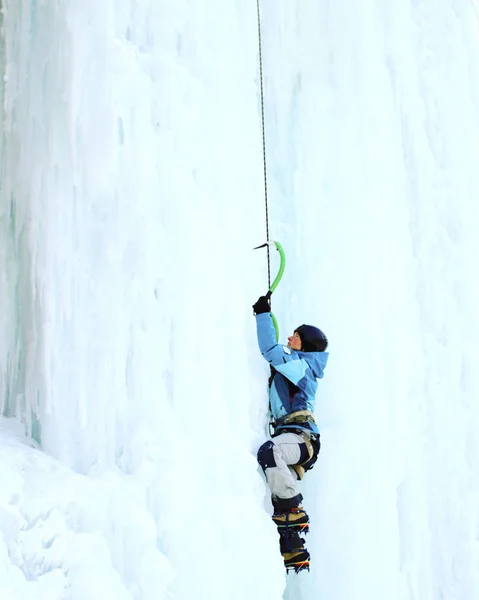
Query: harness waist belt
x,y
300,416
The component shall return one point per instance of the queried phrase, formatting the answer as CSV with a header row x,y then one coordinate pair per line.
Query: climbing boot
x,y
292,518
294,553
297,560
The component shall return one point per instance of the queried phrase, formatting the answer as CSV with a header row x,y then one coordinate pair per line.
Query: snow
x,y
133,394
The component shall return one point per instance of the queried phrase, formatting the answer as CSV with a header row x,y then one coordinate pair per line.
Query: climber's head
x,y
294,341
311,339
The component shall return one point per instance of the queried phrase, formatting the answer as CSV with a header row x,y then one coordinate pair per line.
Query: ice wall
x,y
132,152
130,198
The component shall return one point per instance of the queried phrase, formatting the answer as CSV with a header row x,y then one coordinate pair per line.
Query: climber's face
x,y
294,342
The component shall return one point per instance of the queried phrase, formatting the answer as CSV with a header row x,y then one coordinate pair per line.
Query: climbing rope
x,y
264,136
271,286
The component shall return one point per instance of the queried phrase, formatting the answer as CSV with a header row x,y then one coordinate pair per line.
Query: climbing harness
x,y
295,418
299,418
302,467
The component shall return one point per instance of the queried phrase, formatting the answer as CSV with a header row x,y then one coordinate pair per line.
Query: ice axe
x,y
275,283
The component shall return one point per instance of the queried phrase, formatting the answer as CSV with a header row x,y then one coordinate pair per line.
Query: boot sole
x,y
297,566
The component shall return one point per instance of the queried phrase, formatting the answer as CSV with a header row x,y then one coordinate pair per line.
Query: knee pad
x,y
266,455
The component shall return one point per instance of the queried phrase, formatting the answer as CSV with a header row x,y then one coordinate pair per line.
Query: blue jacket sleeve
x,y
285,360
275,354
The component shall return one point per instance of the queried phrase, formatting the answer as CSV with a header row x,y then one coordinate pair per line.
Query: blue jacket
x,y
294,383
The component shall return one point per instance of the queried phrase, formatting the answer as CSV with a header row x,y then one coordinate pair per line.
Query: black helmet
x,y
312,338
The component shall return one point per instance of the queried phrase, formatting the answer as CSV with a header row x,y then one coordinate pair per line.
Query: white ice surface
x,y
131,194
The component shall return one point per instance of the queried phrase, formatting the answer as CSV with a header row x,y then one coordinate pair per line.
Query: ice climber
x,y
295,442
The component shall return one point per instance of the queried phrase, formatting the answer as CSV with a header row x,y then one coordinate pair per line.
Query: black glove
x,y
261,306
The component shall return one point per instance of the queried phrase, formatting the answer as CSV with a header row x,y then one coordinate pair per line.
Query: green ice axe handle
x,y
275,283
282,264
276,326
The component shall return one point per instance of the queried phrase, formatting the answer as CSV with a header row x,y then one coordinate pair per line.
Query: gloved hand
x,y
261,306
